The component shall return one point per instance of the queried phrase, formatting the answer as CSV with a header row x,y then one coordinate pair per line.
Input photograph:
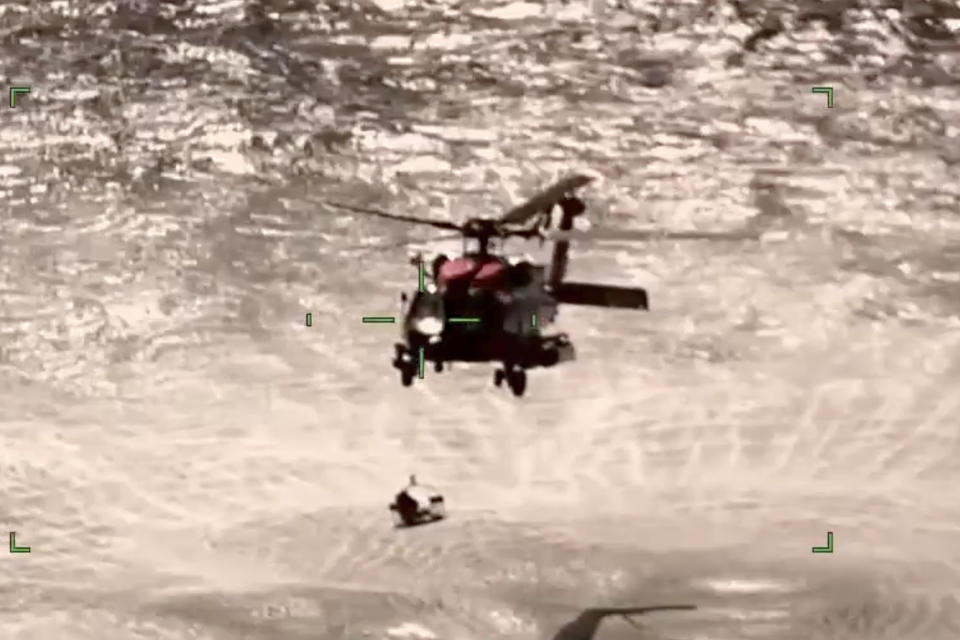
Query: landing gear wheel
x,y
498,377
517,379
438,367
406,376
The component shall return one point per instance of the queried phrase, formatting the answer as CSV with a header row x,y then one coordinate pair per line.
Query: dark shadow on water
x,y
585,625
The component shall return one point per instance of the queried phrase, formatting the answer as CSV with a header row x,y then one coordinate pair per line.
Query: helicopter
x,y
485,307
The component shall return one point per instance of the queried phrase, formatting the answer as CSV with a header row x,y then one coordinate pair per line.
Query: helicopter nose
x,y
428,325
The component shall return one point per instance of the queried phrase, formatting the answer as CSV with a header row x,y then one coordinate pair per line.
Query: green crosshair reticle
x,y
828,548
17,91
422,287
828,91
13,544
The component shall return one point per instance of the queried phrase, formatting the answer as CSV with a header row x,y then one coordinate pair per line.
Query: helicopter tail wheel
x,y
438,366
517,379
406,376
498,377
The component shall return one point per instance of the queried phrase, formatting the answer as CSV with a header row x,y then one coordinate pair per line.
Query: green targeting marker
x,y
828,548
422,363
828,91
422,278
13,544
309,319
17,91
463,320
379,319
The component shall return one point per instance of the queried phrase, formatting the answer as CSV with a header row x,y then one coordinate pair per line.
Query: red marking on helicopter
x,y
481,273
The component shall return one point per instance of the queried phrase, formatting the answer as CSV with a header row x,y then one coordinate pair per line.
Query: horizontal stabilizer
x,y
601,295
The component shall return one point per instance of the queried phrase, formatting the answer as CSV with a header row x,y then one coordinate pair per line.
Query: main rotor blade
x,y
649,235
439,224
542,202
396,244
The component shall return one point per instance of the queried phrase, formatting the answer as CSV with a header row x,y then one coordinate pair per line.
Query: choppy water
x,y
187,460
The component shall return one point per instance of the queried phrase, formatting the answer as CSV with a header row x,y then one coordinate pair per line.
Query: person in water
x,y
407,506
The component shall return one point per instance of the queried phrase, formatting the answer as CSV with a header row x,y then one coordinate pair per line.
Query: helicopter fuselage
x,y
481,307
479,295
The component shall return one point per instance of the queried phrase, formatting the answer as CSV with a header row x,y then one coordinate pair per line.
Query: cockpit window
x,y
428,305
